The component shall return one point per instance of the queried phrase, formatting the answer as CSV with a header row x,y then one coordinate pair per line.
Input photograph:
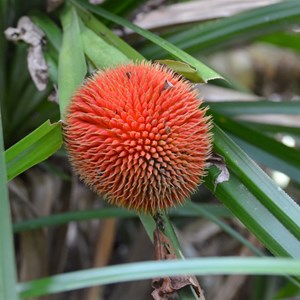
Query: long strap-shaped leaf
x,y
270,196
202,70
261,107
72,65
7,261
242,27
285,159
188,210
106,34
146,270
33,149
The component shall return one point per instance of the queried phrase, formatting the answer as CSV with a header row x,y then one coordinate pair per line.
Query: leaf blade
x,y
249,195
285,159
245,26
99,28
72,66
150,269
34,148
203,71
233,108
101,52
256,217
50,29
7,260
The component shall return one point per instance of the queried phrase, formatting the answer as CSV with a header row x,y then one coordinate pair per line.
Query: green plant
x,y
249,193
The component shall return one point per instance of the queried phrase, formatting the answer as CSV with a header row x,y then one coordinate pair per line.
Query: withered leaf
x,y
29,33
53,96
219,162
165,287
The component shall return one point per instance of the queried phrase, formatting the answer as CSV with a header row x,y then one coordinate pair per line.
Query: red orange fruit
x,y
136,135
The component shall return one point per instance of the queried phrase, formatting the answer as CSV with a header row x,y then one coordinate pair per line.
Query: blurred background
x,y
258,66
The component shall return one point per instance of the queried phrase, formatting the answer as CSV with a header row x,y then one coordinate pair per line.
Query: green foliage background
x,y
80,32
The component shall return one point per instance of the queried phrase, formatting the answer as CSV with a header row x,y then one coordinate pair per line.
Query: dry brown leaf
x,y
219,162
53,96
165,287
29,33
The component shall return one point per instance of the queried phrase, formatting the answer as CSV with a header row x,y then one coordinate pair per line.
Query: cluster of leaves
x,y
83,42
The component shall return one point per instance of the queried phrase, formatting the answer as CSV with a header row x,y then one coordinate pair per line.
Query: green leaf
x,y
113,212
217,210
107,35
52,32
72,65
265,158
274,128
182,68
242,27
285,159
256,200
100,53
52,67
236,235
15,93
254,215
73,216
203,72
4,16
122,7
283,39
23,112
147,270
149,225
34,148
54,42
258,182
170,233
288,291
7,260
260,107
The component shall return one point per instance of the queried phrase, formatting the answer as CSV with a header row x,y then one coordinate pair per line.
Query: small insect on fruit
x,y
141,143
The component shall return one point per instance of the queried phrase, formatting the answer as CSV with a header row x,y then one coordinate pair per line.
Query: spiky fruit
x,y
136,135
